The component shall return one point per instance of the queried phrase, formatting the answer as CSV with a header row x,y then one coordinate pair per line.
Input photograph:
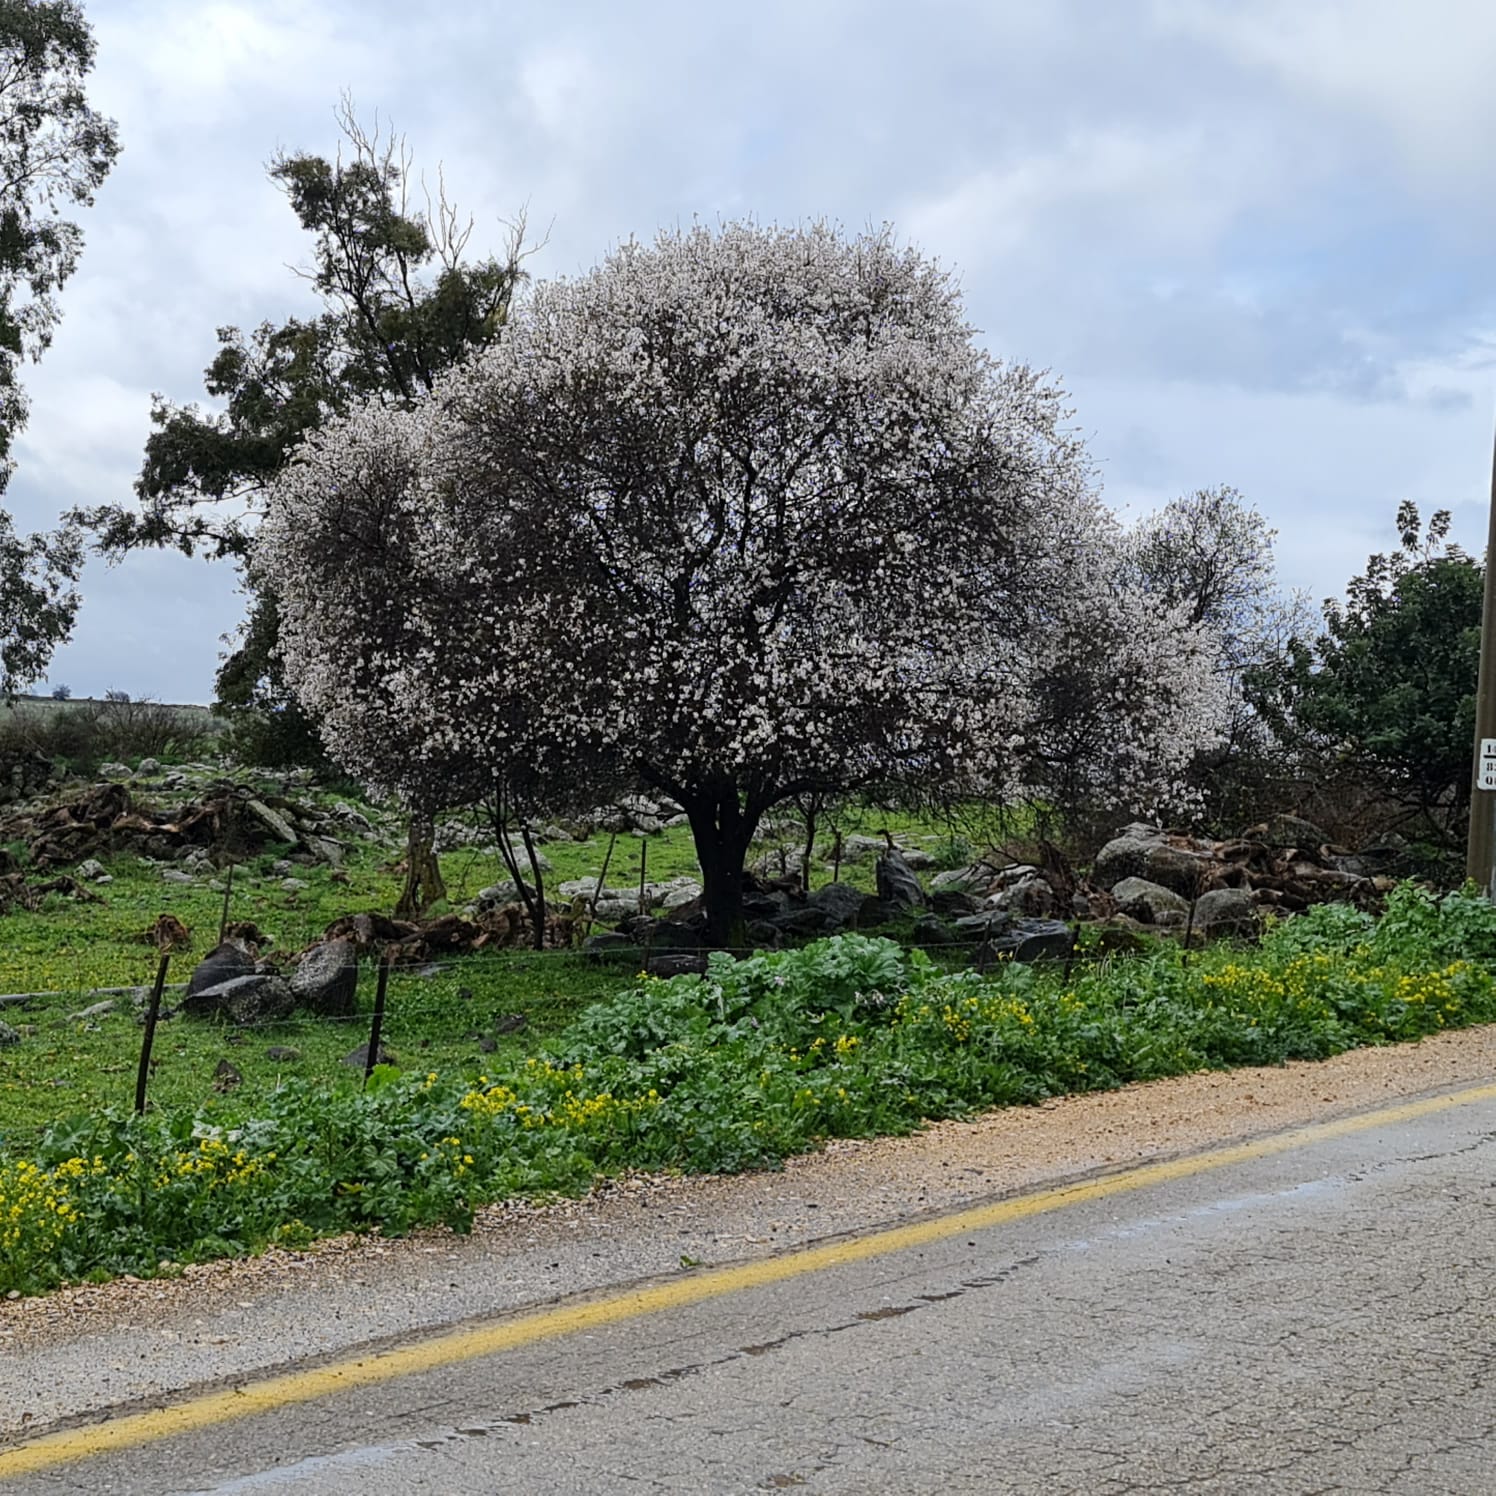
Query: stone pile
x,y
226,821
1147,876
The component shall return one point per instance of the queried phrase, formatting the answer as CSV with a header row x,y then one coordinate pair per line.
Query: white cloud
x,y
1419,75
1213,220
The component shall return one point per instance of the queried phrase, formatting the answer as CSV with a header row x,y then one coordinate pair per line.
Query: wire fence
x,y
141,1044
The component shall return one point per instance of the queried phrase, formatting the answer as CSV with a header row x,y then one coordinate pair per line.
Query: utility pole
x,y
1480,861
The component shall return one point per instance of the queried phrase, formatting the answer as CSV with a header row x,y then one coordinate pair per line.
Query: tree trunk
x,y
811,809
423,874
532,888
722,831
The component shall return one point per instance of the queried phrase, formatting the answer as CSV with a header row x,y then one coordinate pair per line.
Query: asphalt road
x,y
1315,1316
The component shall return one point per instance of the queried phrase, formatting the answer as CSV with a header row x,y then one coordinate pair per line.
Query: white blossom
x,y
742,514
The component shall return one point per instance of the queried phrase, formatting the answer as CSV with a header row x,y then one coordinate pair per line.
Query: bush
x,y
80,735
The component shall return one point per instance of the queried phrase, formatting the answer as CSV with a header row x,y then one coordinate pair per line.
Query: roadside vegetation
x,y
744,521
764,1057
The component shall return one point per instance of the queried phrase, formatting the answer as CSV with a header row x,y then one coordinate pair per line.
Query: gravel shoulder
x,y
86,1349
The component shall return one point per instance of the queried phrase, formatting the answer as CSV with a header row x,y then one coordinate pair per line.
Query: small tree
x,y
38,601
1127,691
379,623
745,514
1209,556
402,301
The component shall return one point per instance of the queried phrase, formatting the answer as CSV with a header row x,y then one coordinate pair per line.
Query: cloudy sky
x,y
1251,237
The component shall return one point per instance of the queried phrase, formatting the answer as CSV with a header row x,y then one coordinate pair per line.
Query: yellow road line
x,y
210,1409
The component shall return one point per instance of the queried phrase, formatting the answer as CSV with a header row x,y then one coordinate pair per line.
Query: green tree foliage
x,y
54,152
1387,691
401,303
38,601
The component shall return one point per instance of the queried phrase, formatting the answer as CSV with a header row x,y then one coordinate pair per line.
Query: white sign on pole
x,y
1485,778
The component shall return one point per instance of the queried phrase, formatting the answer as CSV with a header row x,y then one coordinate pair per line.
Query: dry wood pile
x,y
504,928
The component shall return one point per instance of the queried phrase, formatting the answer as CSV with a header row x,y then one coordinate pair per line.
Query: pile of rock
x,y
228,821
231,983
23,775
1147,876
1144,877
17,891
779,912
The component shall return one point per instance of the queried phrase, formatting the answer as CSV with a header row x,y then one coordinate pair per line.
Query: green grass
x,y
71,949
847,1037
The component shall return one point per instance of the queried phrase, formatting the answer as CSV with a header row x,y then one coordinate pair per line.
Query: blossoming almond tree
x,y
746,514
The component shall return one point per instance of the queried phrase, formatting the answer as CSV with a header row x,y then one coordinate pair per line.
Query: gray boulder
x,y
257,998
219,965
984,924
678,892
91,869
1288,831
952,901
326,979
358,1059
1226,911
325,849
275,823
608,944
497,894
963,879
617,908
1030,895
807,919
1028,940
930,929
8,1036
677,964
840,903
1143,852
897,883
859,848
1145,901
586,887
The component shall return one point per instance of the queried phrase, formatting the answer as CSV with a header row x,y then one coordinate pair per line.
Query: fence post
x,y
371,1056
228,889
152,1013
602,878
643,866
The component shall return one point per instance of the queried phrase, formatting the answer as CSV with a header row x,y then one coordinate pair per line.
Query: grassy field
x,y
455,1016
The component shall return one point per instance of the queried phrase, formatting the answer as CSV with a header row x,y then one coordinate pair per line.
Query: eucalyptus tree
x,y
402,299
55,151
